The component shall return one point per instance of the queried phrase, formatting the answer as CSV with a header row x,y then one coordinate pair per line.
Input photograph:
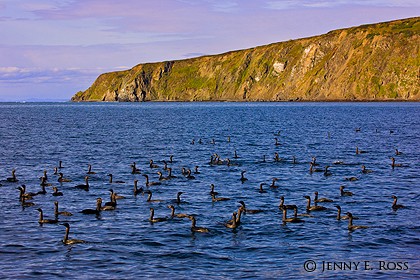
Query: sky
x,y
51,49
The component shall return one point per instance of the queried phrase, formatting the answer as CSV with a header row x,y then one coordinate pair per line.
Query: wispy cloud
x,y
225,6
296,4
39,75
194,54
90,22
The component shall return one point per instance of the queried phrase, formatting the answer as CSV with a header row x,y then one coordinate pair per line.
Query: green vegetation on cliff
x,y
370,62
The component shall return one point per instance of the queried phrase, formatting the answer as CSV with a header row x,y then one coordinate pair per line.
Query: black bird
x,y
243,179
84,186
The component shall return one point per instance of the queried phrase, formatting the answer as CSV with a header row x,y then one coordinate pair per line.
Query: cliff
x,y
371,62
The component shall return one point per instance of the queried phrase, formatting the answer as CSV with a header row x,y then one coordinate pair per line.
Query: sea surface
x,y
123,244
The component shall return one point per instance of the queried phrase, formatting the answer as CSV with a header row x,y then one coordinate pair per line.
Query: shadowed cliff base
x,y
376,62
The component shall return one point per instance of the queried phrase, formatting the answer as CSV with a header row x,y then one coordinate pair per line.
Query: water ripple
x,y
124,244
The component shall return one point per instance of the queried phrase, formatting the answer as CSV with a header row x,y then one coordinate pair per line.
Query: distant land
x,y
375,62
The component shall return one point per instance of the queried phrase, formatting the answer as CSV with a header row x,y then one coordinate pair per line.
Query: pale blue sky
x,y
50,49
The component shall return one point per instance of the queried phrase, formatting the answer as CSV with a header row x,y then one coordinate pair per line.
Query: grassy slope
x,y
371,62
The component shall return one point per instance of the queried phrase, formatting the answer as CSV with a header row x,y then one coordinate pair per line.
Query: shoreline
x,y
254,101
214,101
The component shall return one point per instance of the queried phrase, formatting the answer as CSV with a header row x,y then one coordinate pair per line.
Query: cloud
x,y
297,4
52,75
91,22
194,54
225,6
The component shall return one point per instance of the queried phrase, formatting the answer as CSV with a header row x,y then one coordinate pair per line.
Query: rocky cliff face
x,y
372,62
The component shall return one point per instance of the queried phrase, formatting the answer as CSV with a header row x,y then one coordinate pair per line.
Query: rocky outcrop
x,y
372,62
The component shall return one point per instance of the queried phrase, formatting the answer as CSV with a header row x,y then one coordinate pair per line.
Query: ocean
x,y
124,244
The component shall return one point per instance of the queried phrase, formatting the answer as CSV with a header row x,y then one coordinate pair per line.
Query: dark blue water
x,y
124,244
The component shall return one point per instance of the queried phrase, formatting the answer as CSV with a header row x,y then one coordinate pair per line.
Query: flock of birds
x,y
312,205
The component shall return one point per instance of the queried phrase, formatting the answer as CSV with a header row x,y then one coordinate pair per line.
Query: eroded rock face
x,y
279,67
372,62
